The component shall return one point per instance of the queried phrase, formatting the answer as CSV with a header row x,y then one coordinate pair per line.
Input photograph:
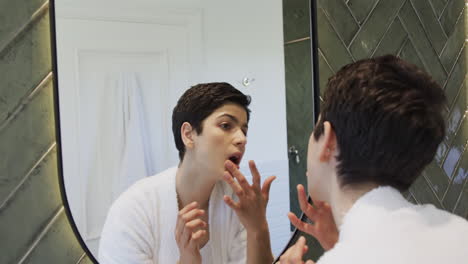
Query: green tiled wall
x,y
33,225
428,33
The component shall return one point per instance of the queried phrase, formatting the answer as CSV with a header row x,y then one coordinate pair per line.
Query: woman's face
x,y
223,137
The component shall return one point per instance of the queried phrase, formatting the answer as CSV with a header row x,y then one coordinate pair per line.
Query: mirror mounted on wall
x,y
121,69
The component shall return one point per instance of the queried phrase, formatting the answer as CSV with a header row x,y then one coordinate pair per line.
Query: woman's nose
x,y
241,138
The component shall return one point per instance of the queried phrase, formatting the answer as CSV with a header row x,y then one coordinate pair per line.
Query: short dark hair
x,y
198,102
388,120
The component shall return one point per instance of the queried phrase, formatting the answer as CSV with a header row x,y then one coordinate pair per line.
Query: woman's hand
x,y
189,233
251,208
294,254
324,227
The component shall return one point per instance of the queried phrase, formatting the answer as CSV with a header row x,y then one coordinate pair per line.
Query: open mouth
x,y
236,159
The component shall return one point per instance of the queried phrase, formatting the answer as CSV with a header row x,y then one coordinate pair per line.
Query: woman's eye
x,y
225,126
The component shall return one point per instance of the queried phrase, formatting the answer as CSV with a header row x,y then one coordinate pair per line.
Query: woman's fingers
x,y
190,229
197,236
267,185
294,253
188,207
234,185
304,204
255,174
188,218
238,175
194,213
303,226
228,200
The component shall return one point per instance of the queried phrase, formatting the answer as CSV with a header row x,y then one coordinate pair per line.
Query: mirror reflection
x,y
122,69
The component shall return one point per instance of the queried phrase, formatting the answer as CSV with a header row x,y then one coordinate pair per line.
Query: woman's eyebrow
x,y
234,119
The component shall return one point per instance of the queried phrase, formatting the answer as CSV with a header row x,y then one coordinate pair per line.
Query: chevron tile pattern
x,y
434,39
428,33
33,224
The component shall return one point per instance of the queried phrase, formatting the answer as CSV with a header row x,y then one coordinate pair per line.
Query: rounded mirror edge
x,y
311,241
63,195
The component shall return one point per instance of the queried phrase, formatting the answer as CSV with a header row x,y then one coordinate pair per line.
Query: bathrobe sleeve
x,y
128,236
238,248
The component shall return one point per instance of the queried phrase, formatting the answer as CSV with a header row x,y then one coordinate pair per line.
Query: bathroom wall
x,y
33,225
429,33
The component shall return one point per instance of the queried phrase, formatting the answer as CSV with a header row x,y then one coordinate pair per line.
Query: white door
x,y
96,58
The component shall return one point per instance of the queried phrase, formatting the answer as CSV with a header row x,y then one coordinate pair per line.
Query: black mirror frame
x,y
53,46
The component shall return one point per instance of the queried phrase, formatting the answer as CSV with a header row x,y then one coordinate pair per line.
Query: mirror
x,y
121,68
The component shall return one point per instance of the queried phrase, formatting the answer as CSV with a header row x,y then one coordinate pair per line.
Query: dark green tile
x,y
454,45
462,206
438,6
325,72
411,199
24,66
456,149
26,139
440,153
28,212
422,44
437,178
459,179
409,53
14,15
361,8
340,17
374,29
406,194
456,79
456,115
431,24
392,41
59,245
296,20
330,44
451,14
446,112
423,193
299,110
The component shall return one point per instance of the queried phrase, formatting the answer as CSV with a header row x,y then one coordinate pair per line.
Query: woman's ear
x,y
186,132
328,147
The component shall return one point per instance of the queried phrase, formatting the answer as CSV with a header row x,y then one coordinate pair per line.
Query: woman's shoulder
x,y
152,183
147,190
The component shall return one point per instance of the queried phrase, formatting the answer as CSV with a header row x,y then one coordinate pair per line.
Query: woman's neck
x,y
343,198
193,184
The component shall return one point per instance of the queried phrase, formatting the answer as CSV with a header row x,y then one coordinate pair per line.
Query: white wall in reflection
x,y
122,66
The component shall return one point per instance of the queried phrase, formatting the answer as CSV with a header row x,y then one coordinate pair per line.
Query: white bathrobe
x,y
140,226
382,227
